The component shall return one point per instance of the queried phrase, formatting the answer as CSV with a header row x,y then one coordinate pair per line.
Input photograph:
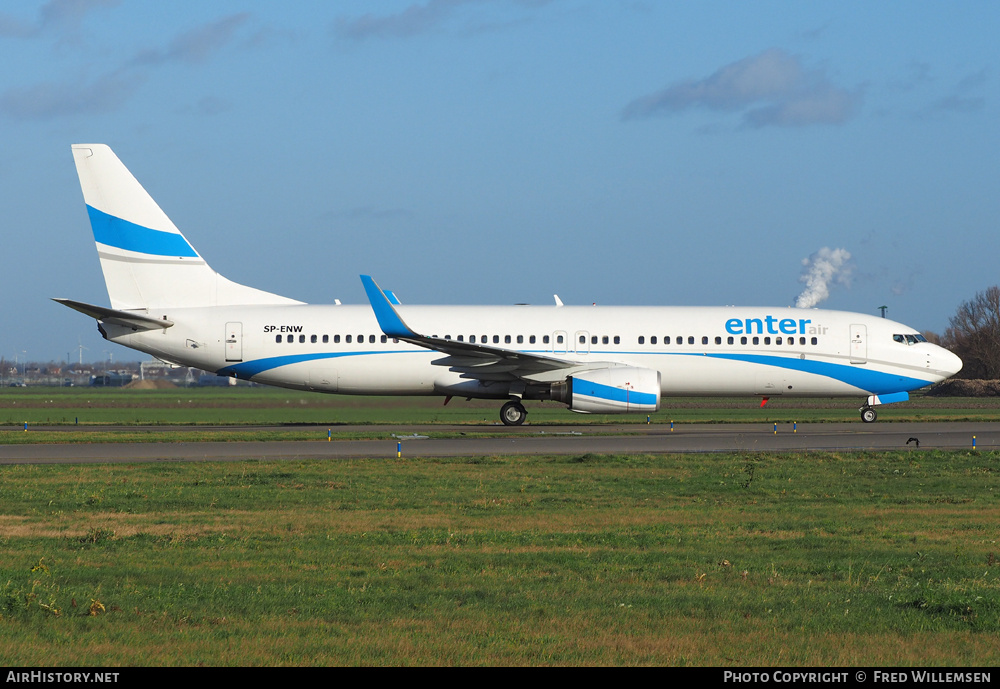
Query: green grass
x,y
812,559
274,406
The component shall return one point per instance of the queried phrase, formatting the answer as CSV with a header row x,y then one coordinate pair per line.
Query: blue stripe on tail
x,y
122,234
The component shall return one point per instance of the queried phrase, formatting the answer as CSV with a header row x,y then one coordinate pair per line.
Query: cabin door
x,y
859,344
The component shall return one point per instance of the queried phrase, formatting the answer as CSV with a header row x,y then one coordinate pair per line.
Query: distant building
x,y
213,380
110,379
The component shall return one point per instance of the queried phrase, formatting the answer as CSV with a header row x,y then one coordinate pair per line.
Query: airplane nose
x,y
948,362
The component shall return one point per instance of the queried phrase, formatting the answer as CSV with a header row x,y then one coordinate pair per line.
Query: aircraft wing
x,y
478,361
116,317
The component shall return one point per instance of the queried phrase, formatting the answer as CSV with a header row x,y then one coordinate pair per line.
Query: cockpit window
x,y
899,338
909,339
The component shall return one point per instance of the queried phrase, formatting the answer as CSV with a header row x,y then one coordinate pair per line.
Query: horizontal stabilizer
x,y
115,317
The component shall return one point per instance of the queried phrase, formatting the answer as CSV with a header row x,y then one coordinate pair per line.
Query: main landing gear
x,y
513,413
868,414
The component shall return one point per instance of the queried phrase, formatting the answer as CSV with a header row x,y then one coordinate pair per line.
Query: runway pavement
x,y
525,440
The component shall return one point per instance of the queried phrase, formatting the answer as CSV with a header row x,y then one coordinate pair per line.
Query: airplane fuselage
x,y
698,351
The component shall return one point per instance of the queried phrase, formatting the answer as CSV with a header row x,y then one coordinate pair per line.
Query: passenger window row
x,y
314,339
594,339
472,339
788,341
532,339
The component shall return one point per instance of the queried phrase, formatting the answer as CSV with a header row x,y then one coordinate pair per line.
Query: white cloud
x,y
111,91
54,99
770,88
196,45
413,20
62,17
421,18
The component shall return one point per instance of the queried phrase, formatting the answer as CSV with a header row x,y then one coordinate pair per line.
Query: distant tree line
x,y
974,335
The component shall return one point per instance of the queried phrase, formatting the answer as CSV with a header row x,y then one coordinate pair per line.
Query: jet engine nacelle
x,y
611,390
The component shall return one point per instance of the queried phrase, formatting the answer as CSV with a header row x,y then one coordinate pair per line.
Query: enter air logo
x,y
768,325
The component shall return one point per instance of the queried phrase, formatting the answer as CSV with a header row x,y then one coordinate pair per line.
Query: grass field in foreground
x,y
273,406
812,559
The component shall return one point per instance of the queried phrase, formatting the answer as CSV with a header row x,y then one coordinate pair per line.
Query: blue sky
x,y
500,151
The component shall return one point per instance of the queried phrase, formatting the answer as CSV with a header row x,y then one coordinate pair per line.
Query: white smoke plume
x,y
825,267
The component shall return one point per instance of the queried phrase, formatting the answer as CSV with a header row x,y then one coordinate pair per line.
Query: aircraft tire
x,y
513,413
868,415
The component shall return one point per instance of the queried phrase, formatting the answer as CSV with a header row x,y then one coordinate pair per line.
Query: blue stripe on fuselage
x,y
874,382
249,369
122,234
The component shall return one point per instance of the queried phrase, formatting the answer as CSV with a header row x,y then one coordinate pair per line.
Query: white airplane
x,y
167,301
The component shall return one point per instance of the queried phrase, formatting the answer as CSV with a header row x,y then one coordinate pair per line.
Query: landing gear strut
x,y
513,413
868,414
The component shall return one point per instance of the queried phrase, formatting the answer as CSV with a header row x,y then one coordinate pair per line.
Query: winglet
x,y
390,322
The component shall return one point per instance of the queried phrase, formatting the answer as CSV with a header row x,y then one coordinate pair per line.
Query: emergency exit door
x,y
234,342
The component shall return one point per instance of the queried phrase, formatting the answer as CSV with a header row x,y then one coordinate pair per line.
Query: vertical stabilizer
x,y
147,262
